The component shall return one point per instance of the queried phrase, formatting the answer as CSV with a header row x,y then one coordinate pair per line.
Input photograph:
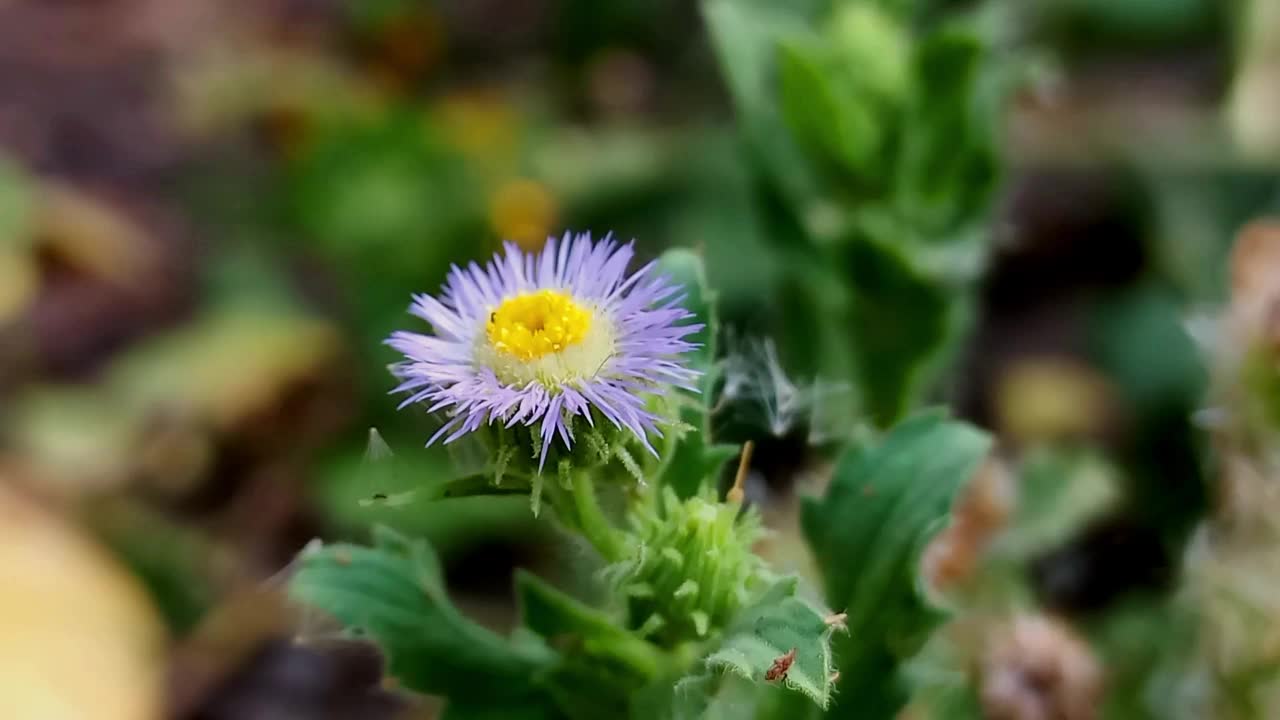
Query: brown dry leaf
x,y
224,641
207,380
80,639
1039,669
1255,278
1255,261
91,237
981,512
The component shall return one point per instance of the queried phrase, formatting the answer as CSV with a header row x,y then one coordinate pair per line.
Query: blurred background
x,y
212,213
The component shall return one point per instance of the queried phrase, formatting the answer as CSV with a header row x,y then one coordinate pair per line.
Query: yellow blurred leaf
x,y
19,280
227,365
78,638
91,236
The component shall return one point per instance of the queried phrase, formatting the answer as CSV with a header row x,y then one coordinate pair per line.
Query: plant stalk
x,y
591,519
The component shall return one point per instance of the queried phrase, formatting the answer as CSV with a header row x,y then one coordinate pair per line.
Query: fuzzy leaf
x,y
590,642
692,696
709,695
394,593
883,505
715,696
768,631
695,460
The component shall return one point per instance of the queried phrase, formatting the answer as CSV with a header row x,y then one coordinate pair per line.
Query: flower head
x,y
544,338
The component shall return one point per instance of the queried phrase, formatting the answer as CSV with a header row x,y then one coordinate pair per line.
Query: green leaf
x,y
1060,491
825,116
572,626
695,460
1138,338
531,707
883,505
948,167
684,267
873,47
406,492
730,681
394,592
779,703
769,631
732,697
901,324
842,90
712,695
745,37
692,695
601,663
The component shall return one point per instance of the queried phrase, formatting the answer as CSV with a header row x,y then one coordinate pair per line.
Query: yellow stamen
x,y
536,324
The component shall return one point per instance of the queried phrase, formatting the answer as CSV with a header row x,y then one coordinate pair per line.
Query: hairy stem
x,y
592,521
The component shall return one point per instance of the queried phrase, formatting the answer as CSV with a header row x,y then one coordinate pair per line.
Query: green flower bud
x,y
689,566
601,448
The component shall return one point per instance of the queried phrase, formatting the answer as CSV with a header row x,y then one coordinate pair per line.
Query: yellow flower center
x,y
536,324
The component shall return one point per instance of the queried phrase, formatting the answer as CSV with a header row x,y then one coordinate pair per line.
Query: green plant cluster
x,y
690,616
871,129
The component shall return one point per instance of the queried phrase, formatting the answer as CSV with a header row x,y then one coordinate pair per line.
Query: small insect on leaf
x,y
781,664
393,500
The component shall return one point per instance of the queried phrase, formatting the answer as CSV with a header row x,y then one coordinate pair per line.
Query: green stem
x,y
591,520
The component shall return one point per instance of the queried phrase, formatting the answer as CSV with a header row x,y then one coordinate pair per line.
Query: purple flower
x,y
543,338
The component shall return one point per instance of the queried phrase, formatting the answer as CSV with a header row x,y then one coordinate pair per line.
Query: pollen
x,y
536,324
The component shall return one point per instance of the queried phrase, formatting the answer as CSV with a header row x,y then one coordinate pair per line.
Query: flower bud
x,y
689,566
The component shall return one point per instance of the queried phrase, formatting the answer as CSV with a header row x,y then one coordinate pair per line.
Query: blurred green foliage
x,y
831,175
875,163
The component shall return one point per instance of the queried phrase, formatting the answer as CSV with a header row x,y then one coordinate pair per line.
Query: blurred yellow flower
x,y
1041,399
523,211
483,126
